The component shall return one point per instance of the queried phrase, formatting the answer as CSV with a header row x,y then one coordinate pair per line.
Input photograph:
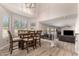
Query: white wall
x,y
77,33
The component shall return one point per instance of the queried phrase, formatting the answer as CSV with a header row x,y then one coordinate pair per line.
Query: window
x,y
20,24
17,24
5,26
24,24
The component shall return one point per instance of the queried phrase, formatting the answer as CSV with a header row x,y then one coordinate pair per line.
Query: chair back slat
x,y
38,33
32,33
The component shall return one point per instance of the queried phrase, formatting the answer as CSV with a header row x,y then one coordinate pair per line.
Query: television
x,y
68,32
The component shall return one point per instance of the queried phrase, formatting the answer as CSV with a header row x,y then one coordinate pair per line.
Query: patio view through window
x,y
20,24
5,26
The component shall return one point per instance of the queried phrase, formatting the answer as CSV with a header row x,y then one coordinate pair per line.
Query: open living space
x,y
39,29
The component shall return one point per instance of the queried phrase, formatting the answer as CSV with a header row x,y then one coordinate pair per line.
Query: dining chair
x,y
12,41
37,37
32,35
28,40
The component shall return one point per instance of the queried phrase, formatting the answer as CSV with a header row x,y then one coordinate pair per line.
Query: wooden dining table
x,y
21,42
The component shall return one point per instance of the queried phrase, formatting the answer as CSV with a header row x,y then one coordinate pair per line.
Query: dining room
x,y
29,29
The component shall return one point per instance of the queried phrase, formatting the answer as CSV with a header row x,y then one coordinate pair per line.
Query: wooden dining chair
x,y
28,40
32,35
12,41
37,37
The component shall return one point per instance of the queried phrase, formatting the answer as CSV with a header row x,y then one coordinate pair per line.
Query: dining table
x,y
21,42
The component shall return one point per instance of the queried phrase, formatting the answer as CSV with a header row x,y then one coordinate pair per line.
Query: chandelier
x,y
30,5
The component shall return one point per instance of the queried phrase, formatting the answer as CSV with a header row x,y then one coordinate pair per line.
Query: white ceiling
x,y
49,13
62,21
52,10
19,8
58,14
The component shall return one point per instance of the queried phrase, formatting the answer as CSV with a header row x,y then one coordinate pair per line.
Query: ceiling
x,y
53,14
19,8
69,20
58,14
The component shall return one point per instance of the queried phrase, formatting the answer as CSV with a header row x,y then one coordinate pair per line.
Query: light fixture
x,y
30,5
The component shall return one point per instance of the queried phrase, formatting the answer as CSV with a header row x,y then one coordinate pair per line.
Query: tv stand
x,y
67,38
